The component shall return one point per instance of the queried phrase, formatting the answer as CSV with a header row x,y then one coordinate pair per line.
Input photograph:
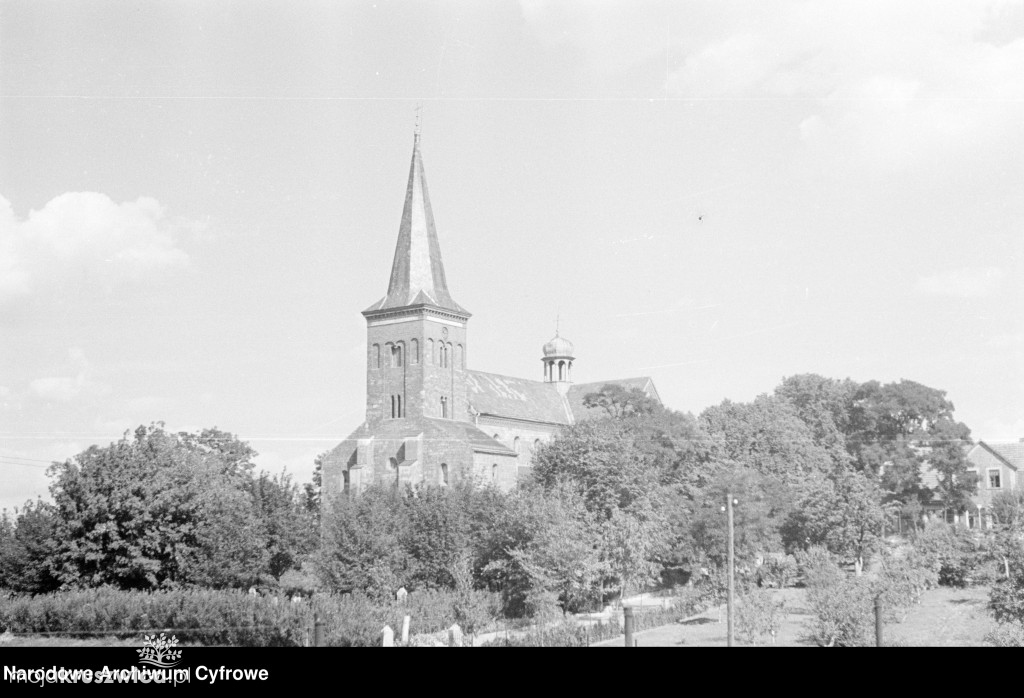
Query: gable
x,y
1012,453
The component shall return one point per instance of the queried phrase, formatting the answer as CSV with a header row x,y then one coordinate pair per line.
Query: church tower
x,y
558,358
416,334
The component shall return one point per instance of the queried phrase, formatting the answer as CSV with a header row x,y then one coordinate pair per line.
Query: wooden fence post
x,y
318,632
627,613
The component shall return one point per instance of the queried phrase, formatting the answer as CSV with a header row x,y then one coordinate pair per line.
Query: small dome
x,y
559,346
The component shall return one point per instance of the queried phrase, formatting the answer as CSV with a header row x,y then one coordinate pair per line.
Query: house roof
x,y
417,273
578,392
1012,452
516,398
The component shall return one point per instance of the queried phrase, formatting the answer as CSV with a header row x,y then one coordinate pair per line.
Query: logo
x,y
159,651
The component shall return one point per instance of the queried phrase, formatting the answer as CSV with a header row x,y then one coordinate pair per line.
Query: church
x,y
430,419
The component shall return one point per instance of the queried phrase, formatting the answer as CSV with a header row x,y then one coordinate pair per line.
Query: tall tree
x,y
157,510
767,436
824,406
843,512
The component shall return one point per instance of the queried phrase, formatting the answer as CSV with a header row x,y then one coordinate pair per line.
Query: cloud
x,y
66,388
885,83
880,84
85,234
970,282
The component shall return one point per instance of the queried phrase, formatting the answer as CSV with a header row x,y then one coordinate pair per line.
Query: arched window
x,y
561,370
400,406
494,473
430,352
444,408
375,356
393,407
515,444
460,357
414,352
344,481
444,474
444,355
396,355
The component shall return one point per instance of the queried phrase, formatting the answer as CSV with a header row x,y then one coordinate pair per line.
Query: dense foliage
x,y
157,510
614,505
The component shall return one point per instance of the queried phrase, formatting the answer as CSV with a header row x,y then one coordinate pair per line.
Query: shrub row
x,y
231,618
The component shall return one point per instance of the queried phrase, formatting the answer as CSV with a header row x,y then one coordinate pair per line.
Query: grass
x,y
945,618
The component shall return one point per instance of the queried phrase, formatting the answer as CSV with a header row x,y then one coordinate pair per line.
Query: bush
x,y
779,571
1006,635
565,634
231,617
951,553
901,582
817,567
758,616
841,605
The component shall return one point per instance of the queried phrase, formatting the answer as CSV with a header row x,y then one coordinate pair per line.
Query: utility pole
x,y
732,568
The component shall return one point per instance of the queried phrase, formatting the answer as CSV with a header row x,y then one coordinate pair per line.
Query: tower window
x,y
396,355
494,473
375,356
400,414
444,408
430,351
515,444
460,357
414,354
444,474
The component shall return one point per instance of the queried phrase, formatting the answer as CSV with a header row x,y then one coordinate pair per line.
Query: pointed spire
x,y
417,273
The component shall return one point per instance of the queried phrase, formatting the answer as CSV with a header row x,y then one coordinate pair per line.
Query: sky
x,y
198,198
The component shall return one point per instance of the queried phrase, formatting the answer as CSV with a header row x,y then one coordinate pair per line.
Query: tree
x,y
763,503
312,491
362,543
622,488
842,513
158,510
27,545
823,404
889,424
620,403
290,530
767,436
550,553
947,456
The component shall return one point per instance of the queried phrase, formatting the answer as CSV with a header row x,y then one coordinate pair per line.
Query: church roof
x,y
537,401
516,398
433,430
580,391
417,273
